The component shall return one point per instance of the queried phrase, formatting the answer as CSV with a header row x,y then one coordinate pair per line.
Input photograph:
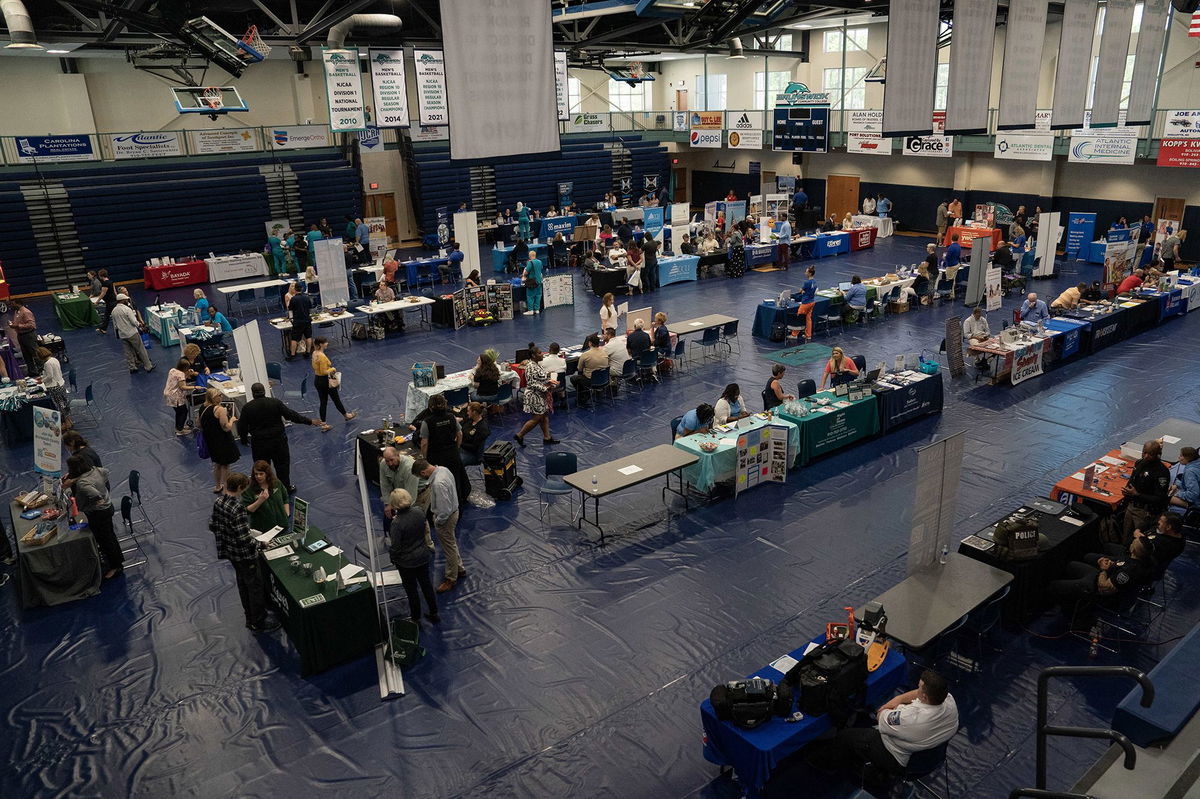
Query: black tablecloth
x,y
442,313
901,405
63,570
1142,317
16,427
1106,330
605,281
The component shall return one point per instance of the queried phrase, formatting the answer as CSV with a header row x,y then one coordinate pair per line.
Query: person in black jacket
x,y
1146,492
262,423
441,437
411,555
110,300
475,433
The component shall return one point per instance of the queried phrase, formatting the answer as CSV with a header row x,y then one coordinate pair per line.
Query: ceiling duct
x,y
19,24
336,38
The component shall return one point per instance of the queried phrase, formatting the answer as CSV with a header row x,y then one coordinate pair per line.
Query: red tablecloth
x,y
184,273
863,238
967,234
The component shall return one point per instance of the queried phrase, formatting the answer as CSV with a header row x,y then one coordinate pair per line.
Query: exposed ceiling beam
x,y
118,24
84,19
727,28
416,6
618,32
319,26
283,26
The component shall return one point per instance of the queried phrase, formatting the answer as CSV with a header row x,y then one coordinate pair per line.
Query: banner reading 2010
x,y
343,87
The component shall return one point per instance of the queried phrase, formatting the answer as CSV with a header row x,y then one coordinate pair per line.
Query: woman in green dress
x,y
266,499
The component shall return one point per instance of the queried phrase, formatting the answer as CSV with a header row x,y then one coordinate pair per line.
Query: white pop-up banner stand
x,y
331,266
1049,233
466,228
252,363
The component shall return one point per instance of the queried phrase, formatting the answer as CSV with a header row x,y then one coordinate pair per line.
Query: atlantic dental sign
x,y
798,94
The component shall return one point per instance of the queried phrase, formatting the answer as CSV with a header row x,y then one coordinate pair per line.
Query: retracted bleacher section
x,y
18,247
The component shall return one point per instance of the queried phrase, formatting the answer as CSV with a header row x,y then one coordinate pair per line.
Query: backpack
x,y
749,703
830,678
778,332
358,331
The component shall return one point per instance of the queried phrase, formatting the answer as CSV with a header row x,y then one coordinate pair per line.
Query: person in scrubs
x,y
522,221
277,252
533,296
314,235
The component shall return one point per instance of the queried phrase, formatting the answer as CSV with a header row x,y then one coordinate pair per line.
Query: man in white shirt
x,y
975,328
554,363
616,350
443,506
126,321
912,722
784,255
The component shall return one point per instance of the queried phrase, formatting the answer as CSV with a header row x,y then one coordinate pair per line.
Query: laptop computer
x,y
873,375
522,355
844,286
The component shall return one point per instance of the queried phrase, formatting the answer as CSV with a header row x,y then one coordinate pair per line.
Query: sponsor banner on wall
x,y
705,138
298,137
929,146
1103,149
1182,125
55,148
430,72
343,89
588,123
146,145
707,120
223,140
388,88
429,133
1023,147
863,134
745,139
370,139
1179,152
561,85
744,120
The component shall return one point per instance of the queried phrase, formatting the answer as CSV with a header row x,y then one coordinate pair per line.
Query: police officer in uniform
x,y
441,437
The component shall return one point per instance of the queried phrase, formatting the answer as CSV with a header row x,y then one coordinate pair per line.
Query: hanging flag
x,y
1194,27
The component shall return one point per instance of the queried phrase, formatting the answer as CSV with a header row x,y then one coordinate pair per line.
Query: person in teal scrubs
x,y
533,296
277,252
314,235
289,244
522,221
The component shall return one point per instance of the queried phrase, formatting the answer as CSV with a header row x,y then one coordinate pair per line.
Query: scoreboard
x,y
801,130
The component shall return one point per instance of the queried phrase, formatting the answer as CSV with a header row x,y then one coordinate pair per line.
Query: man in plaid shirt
x,y
230,524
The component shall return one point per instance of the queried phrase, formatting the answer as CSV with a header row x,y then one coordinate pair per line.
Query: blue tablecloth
x,y
500,256
677,269
558,224
759,254
423,269
1073,332
901,405
753,754
1096,252
828,244
768,314
721,463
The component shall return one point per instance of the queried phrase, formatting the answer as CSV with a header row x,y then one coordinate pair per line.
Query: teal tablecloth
x,y
821,433
721,463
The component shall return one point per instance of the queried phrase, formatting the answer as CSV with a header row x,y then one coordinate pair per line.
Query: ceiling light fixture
x,y
57,52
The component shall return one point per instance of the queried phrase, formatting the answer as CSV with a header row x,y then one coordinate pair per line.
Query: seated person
x,y
485,378
855,299
593,358
1003,257
1034,310
553,362
838,369
617,255
473,278
1094,292
774,394
218,320
475,433
558,251
389,270
1100,575
686,247
1185,489
848,222
661,335
697,420
975,328
385,293
710,244
638,341
1163,544
453,270
1132,282
830,225
1069,299
730,407
310,274
616,350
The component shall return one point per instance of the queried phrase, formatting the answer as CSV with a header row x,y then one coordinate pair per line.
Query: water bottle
x,y
595,482
1094,648
942,559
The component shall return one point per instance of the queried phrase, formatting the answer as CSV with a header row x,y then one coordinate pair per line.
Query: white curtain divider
x,y
911,68
1024,39
1110,66
971,45
1074,63
1152,37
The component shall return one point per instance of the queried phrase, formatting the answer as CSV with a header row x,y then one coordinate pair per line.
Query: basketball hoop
x,y
252,45
637,69
212,98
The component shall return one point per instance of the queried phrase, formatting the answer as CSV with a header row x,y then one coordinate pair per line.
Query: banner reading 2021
x,y
430,70
343,88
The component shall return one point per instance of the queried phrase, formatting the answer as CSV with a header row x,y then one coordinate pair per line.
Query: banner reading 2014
x,y
343,87
387,82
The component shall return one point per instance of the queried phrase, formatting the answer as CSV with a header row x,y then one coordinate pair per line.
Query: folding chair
x,y
729,336
130,536
710,339
135,488
85,412
558,464
601,384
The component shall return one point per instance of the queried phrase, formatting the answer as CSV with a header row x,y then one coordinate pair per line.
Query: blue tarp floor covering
x,y
560,668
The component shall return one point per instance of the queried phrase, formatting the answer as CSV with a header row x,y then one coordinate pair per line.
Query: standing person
x,y
783,257
395,471
266,499
24,324
277,257
327,381
808,299
1169,253
261,425
176,392
868,205
533,399
125,320
230,526
650,247
313,236
325,228
89,486
884,206
216,425
200,303
608,312
78,445
533,284
300,309
109,299
443,506
953,254
441,438
410,554
55,385
954,210
799,199
475,434
362,236
522,222
736,265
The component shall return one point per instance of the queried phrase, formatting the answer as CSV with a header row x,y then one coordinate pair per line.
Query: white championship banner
x,y
913,28
970,77
388,88
1023,44
1110,64
1147,60
431,87
343,90
561,86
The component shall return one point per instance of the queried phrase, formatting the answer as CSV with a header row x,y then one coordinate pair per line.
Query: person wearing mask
x,y
638,341
838,369
1185,490
217,320
411,553
128,327
535,400
1146,491
266,499
261,426
975,328
475,434
955,211
300,310
176,392
553,362
592,358
533,284
441,437
395,471
311,238
730,406
1069,299
1034,310
55,385
327,380
774,394
855,298
216,425
89,486
697,420
485,379
1169,252
1101,575
230,526
24,324
78,445
1132,282
443,506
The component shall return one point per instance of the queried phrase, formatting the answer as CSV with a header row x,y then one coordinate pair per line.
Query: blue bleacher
x,y
18,249
1176,697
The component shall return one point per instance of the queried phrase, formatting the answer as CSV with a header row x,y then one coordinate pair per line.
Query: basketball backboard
x,y
209,100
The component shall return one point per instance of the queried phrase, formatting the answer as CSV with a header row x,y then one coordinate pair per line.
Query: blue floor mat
x,y
560,668
798,356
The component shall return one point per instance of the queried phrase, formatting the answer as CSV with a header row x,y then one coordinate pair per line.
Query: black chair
x,y
868,314
729,336
130,536
860,362
768,398
921,765
458,396
675,426
646,363
806,388
601,384
797,324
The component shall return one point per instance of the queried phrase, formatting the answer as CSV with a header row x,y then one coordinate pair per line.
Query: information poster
x,y
1027,362
430,72
1164,228
343,90
994,293
47,441
388,88
377,226
1081,226
493,298
652,222
558,290
1118,261
761,457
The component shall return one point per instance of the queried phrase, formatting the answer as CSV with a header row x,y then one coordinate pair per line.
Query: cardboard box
x,y
897,307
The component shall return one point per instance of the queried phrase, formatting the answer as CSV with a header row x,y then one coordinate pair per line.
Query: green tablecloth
x,y
326,626
825,432
75,311
721,463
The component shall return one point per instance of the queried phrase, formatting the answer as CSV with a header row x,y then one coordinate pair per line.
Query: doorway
x,y
681,184
766,182
841,196
1168,208
384,205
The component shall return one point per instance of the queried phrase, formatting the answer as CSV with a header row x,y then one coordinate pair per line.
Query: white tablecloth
x,y
883,223
235,267
417,397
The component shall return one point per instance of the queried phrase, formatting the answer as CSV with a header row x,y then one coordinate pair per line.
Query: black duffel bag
x,y
749,703
830,679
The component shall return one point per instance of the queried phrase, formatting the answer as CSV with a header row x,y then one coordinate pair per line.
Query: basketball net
x,y
637,69
211,97
253,40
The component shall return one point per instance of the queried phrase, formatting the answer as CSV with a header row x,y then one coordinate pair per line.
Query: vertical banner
x,y
343,90
679,224
252,363
442,212
1110,65
913,28
47,441
993,288
1074,63
1023,42
1080,229
377,229
466,223
430,71
1027,362
330,257
566,188
561,86
938,468
970,72
1046,244
652,222
388,88
1152,35
976,272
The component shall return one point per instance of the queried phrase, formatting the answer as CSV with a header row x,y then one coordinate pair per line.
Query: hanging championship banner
x,y
649,182
1023,43
560,83
47,441
388,88
1074,62
1151,40
1027,362
1110,62
343,90
970,77
430,72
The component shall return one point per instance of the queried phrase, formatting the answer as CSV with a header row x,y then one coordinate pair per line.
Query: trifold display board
x,y
495,298
558,290
761,457
251,362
